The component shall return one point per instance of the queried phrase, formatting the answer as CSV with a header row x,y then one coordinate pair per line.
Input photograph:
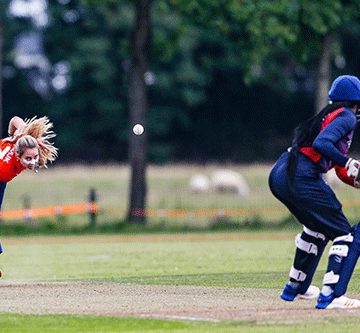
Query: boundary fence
x,y
32,213
92,208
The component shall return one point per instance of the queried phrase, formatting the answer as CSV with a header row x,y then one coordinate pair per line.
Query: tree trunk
x,y
324,74
138,105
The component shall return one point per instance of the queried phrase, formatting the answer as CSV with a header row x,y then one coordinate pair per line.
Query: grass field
x,y
168,188
256,262
244,268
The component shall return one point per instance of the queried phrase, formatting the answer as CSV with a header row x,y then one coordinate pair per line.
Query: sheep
x,y
199,183
230,181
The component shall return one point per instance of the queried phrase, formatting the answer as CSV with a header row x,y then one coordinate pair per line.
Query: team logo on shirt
x,y
4,154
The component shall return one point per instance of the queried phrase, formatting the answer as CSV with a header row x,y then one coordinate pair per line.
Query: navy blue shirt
x,y
334,141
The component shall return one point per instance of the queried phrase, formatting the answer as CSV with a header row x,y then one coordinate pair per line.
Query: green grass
x,y
69,324
27,261
252,263
168,188
11,323
248,263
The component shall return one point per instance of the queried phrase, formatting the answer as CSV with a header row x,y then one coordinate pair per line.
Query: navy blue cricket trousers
x,y
311,200
2,192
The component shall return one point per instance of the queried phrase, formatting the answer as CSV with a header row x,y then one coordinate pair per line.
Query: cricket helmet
x,y
345,88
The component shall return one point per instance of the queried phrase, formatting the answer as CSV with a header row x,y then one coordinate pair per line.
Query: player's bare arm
x,y
16,125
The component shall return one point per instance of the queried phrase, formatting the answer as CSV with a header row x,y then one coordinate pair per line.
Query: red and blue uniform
x,y
310,199
320,144
327,149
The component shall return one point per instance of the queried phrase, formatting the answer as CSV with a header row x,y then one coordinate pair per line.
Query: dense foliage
x,y
228,80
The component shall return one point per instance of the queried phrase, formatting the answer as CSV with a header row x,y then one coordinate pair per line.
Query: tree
x,y
138,106
90,39
193,45
324,73
307,28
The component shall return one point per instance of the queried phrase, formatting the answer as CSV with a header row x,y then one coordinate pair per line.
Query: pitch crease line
x,y
179,318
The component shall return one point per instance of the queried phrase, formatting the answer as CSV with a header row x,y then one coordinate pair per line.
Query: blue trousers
x,y
310,200
2,192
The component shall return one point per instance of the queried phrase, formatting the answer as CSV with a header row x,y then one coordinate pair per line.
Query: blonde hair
x,y
37,133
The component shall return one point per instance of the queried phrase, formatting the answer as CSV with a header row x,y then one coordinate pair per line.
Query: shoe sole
x,y
343,305
287,299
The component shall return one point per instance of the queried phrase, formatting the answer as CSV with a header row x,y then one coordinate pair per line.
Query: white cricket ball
x,y
138,129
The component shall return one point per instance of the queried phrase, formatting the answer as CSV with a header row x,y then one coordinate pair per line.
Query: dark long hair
x,y
306,133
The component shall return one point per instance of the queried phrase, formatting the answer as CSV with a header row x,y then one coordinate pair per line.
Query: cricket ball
x,y
138,129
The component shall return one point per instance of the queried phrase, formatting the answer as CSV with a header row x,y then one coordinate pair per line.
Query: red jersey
x,y
10,165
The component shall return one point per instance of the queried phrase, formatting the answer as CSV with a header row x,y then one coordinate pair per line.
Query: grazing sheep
x,y
199,183
229,181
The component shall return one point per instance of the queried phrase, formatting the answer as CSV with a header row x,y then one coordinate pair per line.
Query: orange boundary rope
x,y
91,207
87,207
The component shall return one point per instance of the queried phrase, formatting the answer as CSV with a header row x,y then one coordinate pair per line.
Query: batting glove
x,y
352,166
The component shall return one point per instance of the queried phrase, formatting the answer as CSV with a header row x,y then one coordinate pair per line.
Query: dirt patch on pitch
x,y
168,302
